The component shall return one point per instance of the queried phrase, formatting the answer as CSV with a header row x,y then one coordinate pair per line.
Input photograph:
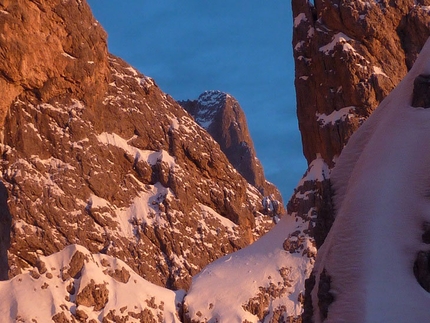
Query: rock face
x,y
95,154
346,63
51,49
348,55
221,115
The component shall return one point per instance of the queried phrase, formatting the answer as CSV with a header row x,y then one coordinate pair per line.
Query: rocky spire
x,y
222,116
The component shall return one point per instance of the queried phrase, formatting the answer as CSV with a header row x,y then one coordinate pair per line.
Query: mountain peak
x,y
222,116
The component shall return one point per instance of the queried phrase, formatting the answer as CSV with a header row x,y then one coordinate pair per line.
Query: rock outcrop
x,y
221,115
94,153
348,56
51,49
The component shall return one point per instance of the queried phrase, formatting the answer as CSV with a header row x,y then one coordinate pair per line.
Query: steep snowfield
x,y
382,181
233,287
40,295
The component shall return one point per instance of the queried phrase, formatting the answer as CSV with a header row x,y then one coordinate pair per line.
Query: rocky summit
x,y
222,116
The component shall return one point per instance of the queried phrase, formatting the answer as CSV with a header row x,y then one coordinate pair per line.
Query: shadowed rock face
x,y
221,115
94,153
421,93
5,224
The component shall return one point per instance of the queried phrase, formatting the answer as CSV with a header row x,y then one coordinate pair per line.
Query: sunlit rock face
x,y
348,56
95,154
50,50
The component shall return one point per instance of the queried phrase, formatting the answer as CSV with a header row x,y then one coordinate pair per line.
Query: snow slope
x,y
231,288
49,294
382,180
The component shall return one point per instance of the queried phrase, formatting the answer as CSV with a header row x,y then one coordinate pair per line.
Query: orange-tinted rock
x,y
96,154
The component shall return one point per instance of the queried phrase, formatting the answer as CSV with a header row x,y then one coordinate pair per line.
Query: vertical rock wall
x,y
348,56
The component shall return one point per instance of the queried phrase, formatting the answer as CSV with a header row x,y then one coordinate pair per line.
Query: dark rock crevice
x,y
5,230
325,296
421,92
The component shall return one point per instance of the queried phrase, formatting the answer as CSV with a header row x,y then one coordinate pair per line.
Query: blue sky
x,y
241,47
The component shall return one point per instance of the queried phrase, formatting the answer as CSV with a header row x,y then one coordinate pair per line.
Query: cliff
x,y
348,56
95,154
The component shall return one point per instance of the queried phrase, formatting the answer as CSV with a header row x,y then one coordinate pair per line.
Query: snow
x,y
149,156
299,18
143,210
381,180
27,299
317,171
338,38
95,202
335,117
209,212
67,55
221,288
299,45
211,98
378,71
210,102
